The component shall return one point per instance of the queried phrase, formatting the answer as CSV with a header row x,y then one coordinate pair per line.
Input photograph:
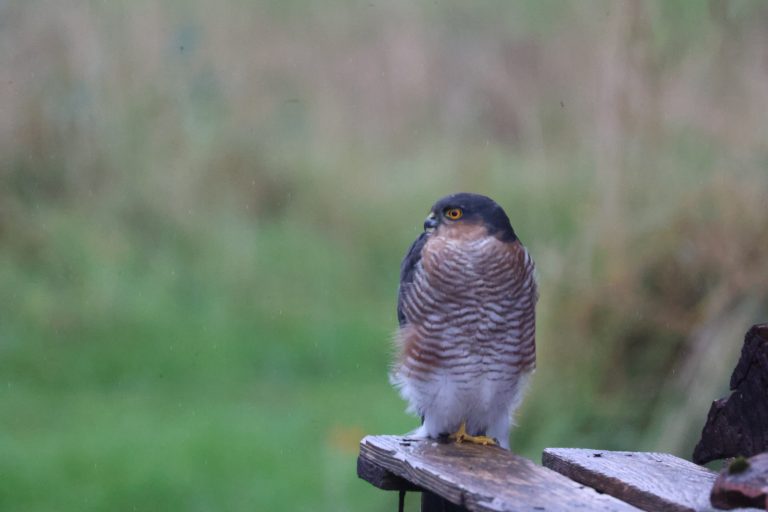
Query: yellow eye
x,y
454,213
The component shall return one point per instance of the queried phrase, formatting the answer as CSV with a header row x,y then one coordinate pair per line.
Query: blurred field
x,y
203,209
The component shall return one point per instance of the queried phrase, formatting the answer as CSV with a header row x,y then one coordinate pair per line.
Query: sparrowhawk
x,y
466,308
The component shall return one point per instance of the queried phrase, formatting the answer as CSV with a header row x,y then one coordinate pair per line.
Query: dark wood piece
x,y
738,425
381,478
482,478
431,502
650,481
743,484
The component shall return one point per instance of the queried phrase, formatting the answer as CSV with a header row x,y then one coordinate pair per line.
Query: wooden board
x,y
650,481
482,478
736,425
381,478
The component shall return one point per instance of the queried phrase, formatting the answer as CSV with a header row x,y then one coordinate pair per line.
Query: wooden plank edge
x,y
609,485
460,496
369,451
382,478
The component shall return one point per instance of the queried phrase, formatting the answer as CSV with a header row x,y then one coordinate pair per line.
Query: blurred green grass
x,y
187,381
202,213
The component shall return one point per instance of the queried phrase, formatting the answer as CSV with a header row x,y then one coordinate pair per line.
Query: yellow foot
x,y
462,436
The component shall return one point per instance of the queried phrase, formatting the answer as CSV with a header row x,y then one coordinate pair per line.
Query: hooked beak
x,y
430,223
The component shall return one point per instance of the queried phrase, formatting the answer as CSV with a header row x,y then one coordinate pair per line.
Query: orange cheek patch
x,y
462,230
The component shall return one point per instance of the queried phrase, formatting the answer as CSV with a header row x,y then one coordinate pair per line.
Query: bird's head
x,y
464,213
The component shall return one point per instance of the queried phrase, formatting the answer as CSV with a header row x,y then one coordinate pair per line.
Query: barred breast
x,y
469,341
471,309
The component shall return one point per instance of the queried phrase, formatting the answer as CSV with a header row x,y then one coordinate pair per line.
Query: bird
x,y
466,311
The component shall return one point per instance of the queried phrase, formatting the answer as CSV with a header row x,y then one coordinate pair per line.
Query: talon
x,y
461,435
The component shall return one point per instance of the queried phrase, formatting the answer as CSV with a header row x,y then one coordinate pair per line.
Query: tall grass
x,y
202,212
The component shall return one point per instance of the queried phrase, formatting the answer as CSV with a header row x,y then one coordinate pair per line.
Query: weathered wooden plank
x,y
744,483
381,478
737,425
650,481
482,478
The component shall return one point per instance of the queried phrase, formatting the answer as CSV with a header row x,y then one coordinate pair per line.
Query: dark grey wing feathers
x,y
407,269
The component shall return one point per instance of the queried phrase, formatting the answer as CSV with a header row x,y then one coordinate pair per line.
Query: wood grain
x,y
482,478
650,481
381,478
738,424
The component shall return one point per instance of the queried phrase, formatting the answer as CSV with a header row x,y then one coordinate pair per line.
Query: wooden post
x,y
431,502
738,424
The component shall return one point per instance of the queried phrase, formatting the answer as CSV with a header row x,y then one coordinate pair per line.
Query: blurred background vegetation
x,y
203,207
